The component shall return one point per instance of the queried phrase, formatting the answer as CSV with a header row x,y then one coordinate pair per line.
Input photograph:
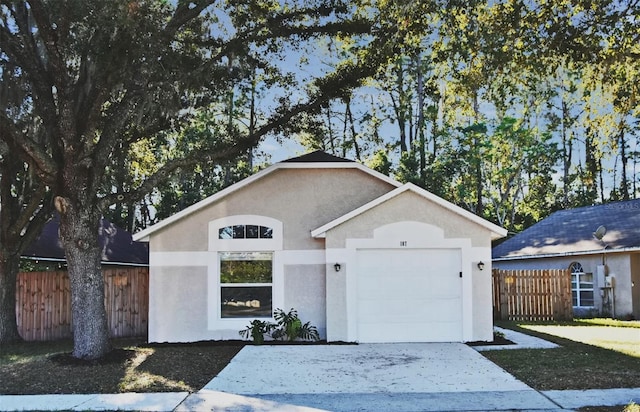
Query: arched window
x,y
245,273
581,286
245,232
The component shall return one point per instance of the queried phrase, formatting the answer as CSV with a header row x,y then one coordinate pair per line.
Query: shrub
x,y
288,327
257,329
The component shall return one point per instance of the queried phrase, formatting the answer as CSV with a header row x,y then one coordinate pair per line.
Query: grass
x,y
632,407
604,322
574,365
621,339
46,367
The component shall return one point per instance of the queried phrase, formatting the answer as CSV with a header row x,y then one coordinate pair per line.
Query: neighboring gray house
x,y
118,248
601,246
358,254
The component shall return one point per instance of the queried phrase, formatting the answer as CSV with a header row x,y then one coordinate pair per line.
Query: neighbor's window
x,y
245,232
581,286
246,280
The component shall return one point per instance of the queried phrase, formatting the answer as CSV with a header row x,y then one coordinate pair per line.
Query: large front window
x,y
246,280
581,286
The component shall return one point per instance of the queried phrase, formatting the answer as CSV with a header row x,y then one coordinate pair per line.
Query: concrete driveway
x,y
400,377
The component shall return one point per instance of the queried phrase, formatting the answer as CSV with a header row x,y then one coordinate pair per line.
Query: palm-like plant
x,y
257,329
290,327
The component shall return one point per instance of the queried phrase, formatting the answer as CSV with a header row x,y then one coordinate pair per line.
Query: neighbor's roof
x,y
118,248
313,160
496,231
571,232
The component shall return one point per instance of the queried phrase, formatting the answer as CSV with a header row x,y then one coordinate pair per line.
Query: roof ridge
x,y
317,156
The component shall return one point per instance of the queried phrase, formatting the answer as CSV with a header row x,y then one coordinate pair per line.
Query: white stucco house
x,y
361,256
600,245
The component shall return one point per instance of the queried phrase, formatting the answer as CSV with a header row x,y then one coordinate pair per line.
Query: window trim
x,y
245,233
252,244
246,285
577,270
273,245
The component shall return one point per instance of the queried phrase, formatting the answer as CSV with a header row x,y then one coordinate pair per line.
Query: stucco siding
x,y
409,206
183,300
620,267
361,233
482,295
305,291
635,284
187,263
302,199
177,309
336,295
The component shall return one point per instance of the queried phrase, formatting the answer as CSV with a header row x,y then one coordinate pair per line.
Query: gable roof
x,y
496,231
571,232
313,160
117,245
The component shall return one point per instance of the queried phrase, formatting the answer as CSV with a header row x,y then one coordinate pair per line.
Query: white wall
x,y
183,261
430,226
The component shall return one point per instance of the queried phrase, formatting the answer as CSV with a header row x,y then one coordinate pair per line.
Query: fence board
x,y
43,303
532,295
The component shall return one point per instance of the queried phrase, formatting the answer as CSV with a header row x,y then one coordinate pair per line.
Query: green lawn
x,y
574,365
608,322
621,339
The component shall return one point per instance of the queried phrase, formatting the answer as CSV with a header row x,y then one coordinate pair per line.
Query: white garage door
x,y
409,295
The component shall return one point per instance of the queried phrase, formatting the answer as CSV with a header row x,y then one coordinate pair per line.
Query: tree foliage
x,y
25,202
101,77
511,109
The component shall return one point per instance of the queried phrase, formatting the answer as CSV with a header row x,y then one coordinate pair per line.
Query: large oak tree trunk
x,y
9,265
79,235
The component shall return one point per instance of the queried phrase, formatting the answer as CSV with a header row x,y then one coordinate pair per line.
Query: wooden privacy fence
x,y
532,295
43,303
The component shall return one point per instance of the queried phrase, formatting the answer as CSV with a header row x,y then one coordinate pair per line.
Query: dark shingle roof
x,y
572,230
117,245
316,157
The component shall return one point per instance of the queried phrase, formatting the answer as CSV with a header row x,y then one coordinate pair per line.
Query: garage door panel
x,y
409,295
409,332
404,311
406,287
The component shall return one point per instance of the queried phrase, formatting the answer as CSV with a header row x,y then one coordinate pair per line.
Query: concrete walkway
x,y
520,340
398,377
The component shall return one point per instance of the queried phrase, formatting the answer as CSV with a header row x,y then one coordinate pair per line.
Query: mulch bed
x,y
497,341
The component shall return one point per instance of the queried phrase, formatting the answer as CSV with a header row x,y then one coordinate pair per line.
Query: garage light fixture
x,y
480,265
337,267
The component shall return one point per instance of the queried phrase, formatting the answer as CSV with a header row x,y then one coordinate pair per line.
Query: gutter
x,y
555,255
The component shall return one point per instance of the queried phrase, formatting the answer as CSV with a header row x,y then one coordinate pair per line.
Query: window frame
x,y
246,285
273,245
577,274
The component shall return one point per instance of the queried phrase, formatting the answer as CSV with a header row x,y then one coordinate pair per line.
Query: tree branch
x,y
45,167
49,41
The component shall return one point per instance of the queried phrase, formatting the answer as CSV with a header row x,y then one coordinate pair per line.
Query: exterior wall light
x,y
481,265
337,267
